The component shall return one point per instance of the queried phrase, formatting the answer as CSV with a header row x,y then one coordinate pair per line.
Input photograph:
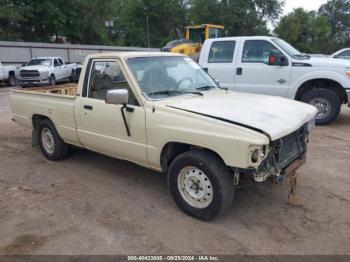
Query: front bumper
x,y
33,80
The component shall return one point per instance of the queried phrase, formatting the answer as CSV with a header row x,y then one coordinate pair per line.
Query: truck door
x,y
100,126
219,61
57,69
64,70
254,75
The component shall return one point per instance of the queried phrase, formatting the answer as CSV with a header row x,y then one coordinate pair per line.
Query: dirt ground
x,y
92,204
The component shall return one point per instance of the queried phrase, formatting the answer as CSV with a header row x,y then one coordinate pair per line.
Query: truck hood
x,y
274,116
324,62
36,67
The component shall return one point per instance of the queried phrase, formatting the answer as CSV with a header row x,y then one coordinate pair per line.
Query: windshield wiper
x,y
206,88
171,92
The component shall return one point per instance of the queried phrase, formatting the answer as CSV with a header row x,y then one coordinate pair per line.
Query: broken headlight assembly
x,y
257,154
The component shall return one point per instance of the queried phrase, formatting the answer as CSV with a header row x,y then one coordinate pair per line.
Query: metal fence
x,y
21,52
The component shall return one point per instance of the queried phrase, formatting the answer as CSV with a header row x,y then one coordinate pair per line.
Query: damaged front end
x,y
285,156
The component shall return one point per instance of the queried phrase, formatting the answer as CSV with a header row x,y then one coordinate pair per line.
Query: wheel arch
x,y
173,149
36,118
325,83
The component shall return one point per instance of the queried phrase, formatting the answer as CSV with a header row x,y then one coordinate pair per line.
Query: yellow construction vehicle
x,y
194,39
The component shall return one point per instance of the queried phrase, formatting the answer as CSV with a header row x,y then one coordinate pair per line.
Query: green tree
x,y
306,31
240,17
163,17
338,14
80,21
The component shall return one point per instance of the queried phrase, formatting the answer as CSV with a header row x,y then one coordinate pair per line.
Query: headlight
x,y
347,71
257,154
44,73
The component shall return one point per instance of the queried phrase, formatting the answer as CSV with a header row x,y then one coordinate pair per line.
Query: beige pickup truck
x,y
162,111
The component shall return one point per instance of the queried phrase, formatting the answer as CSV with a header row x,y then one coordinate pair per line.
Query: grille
x,y
290,147
29,73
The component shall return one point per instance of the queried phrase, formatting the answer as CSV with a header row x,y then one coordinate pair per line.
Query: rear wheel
x,y
201,184
327,103
51,144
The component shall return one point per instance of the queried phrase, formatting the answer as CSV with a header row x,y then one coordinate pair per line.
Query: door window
x,y
222,52
60,61
258,51
56,63
197,35
344,54
108,75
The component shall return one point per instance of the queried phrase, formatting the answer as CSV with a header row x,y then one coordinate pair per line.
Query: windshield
x,y
44,62
290,50
167,76
197,35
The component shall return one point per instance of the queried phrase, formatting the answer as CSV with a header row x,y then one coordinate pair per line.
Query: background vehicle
x,y
76,73
45,70
268,65
343,54
162,111
194,39
7,74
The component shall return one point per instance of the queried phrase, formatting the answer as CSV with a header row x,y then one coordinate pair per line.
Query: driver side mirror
x,y
117,97
277,60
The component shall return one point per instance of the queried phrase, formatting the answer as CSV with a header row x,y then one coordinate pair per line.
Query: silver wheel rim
x,y
195,187
323,106
48,140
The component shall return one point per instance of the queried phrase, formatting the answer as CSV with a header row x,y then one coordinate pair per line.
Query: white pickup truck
x,y
44,70
268,65
162,111
7,74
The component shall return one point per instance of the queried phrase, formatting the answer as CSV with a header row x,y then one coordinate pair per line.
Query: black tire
x,y
327,96
52,80
11,81
218,174
60,150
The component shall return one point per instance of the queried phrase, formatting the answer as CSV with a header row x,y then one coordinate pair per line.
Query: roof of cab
x,y
240,38
126,54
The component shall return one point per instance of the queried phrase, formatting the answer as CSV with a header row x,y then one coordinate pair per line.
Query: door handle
x,y
87,107
281,81
239,71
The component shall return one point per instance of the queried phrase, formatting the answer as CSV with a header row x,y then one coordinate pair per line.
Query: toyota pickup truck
x,y
163,112
271,66
45,70
7,74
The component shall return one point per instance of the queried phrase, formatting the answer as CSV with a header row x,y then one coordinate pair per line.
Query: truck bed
x,y
55,103
69,89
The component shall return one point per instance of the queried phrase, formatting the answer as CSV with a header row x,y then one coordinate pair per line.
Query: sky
x,y
306,4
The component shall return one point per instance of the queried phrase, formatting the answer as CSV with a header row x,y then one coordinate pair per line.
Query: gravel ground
x,y
92,204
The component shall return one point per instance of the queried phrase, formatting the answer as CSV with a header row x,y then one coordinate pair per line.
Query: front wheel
x,y
201,184
52,80
327,103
